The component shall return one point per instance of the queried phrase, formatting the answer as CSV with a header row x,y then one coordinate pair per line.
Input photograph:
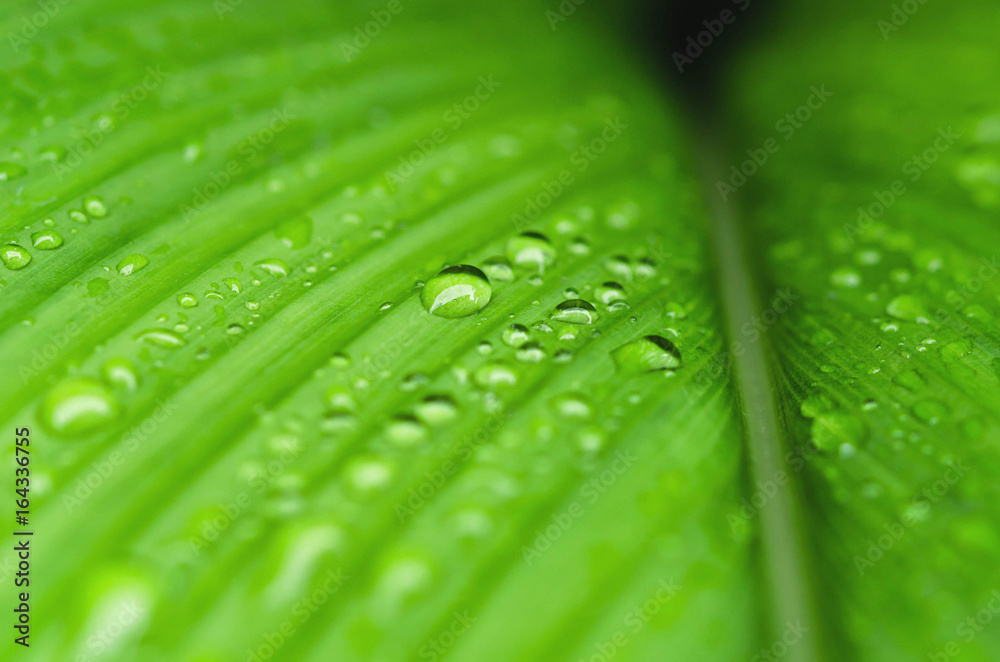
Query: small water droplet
x,y
495,374
273,266
908,308
531,250
9,171
121,374
94,207
164,338
187,300
515,335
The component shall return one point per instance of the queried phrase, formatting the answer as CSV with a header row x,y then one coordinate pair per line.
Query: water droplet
x,y
648,354
572,405
273,266
531,250
485,348
77,216
908,308
530,352
94,207
435,410
413,381
369,474
164,338
498,269
845,277
620,266
930,411
610,292
46,240
121,374
495,374
77,407
14,257
235,329
233,285
575,311
132,263
457,291
187,300
579,246
515,335
830,430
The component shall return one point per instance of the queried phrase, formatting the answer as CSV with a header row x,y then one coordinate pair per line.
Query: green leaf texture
x,y
647,417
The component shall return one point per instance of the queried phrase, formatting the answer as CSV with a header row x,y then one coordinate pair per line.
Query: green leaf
x,y
392,331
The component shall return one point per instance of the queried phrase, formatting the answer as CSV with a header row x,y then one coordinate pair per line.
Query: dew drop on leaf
x,y
273,266
94,207
498,269
121,374
46,240
907,308
164,338
610,292
187,300
457,291
515,335
531,250
14,257
495,374
131,263
435,410
78,406
575,311
530,352
648,354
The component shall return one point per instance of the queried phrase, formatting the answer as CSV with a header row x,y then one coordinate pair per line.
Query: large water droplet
x,y
457,291
515,335
575,311
274,266
648,354
46,240
14,257
77,407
